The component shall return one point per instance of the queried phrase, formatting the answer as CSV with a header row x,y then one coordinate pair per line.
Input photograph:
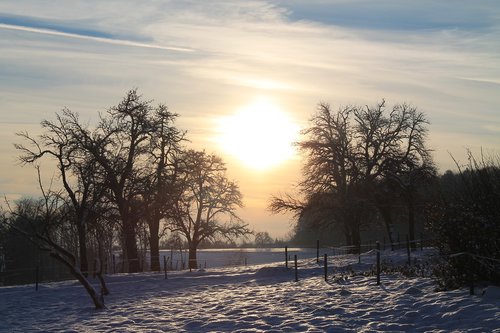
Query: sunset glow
x,y
260,135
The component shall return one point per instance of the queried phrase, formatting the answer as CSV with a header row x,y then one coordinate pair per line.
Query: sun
x,y
260,135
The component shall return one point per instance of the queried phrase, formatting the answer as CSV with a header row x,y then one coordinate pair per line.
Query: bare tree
x,y
49,213
263,239
330,171
160,188
77,171
128,160
393,148
349,154
119,145
207,195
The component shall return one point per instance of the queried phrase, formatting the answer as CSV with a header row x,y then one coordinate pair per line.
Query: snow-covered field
x,y
256,298
210,258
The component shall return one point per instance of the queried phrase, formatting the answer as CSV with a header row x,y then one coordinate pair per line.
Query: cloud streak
x,y
107,40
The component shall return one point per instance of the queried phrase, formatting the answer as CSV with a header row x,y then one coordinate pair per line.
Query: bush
x,y
466,222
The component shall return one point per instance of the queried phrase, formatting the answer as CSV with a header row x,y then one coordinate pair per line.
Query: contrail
x,y
122,42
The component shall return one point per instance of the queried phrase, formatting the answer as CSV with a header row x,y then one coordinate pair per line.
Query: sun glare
x,y
260,135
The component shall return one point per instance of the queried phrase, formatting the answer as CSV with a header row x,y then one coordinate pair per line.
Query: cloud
x,y
91,36
396,15
49,25
206,59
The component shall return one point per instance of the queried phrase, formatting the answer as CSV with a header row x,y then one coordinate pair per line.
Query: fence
x,y
352,260
45,269
372,257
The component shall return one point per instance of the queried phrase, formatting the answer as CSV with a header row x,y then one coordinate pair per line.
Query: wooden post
x,y
37,271
399,242
317,251
296,272
470,274
165,266
359,253
421,241
114,264
378,263
384,243
325,264
286,256
408,249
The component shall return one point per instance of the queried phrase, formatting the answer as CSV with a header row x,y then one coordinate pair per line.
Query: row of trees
x,y
129,172
360,161
371,164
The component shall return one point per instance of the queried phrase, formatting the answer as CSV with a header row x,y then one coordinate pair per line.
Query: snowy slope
x,y
260,298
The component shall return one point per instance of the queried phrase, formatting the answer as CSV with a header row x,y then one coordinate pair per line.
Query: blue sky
x,y
206,59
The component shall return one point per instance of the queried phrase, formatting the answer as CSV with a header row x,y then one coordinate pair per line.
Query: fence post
x,y
384,243
421,241
37,270
286,256
296,273
378,263
359,253
325,264
165,266
408,249
317,251
399,242
470,274
114,264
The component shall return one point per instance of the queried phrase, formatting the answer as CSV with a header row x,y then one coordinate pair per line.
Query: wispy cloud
x,y
82,35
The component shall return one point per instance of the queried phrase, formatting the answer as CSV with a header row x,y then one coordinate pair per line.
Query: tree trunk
x,y
82,248
411,222
355,234
98,303
193,263
347,235
100,268
131,257
386,215
154,245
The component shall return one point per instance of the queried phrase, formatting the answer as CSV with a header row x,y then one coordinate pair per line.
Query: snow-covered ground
x,y
255,298
210,258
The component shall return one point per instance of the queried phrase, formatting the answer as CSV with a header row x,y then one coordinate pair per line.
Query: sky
x,y
212,61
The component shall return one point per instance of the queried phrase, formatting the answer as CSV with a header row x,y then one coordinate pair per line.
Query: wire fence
x,y
372,258
418,260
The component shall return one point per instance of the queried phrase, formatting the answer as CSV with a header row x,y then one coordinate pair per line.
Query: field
x,y
260,297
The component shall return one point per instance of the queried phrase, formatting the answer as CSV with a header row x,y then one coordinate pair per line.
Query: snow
x,y
256,298
238,256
